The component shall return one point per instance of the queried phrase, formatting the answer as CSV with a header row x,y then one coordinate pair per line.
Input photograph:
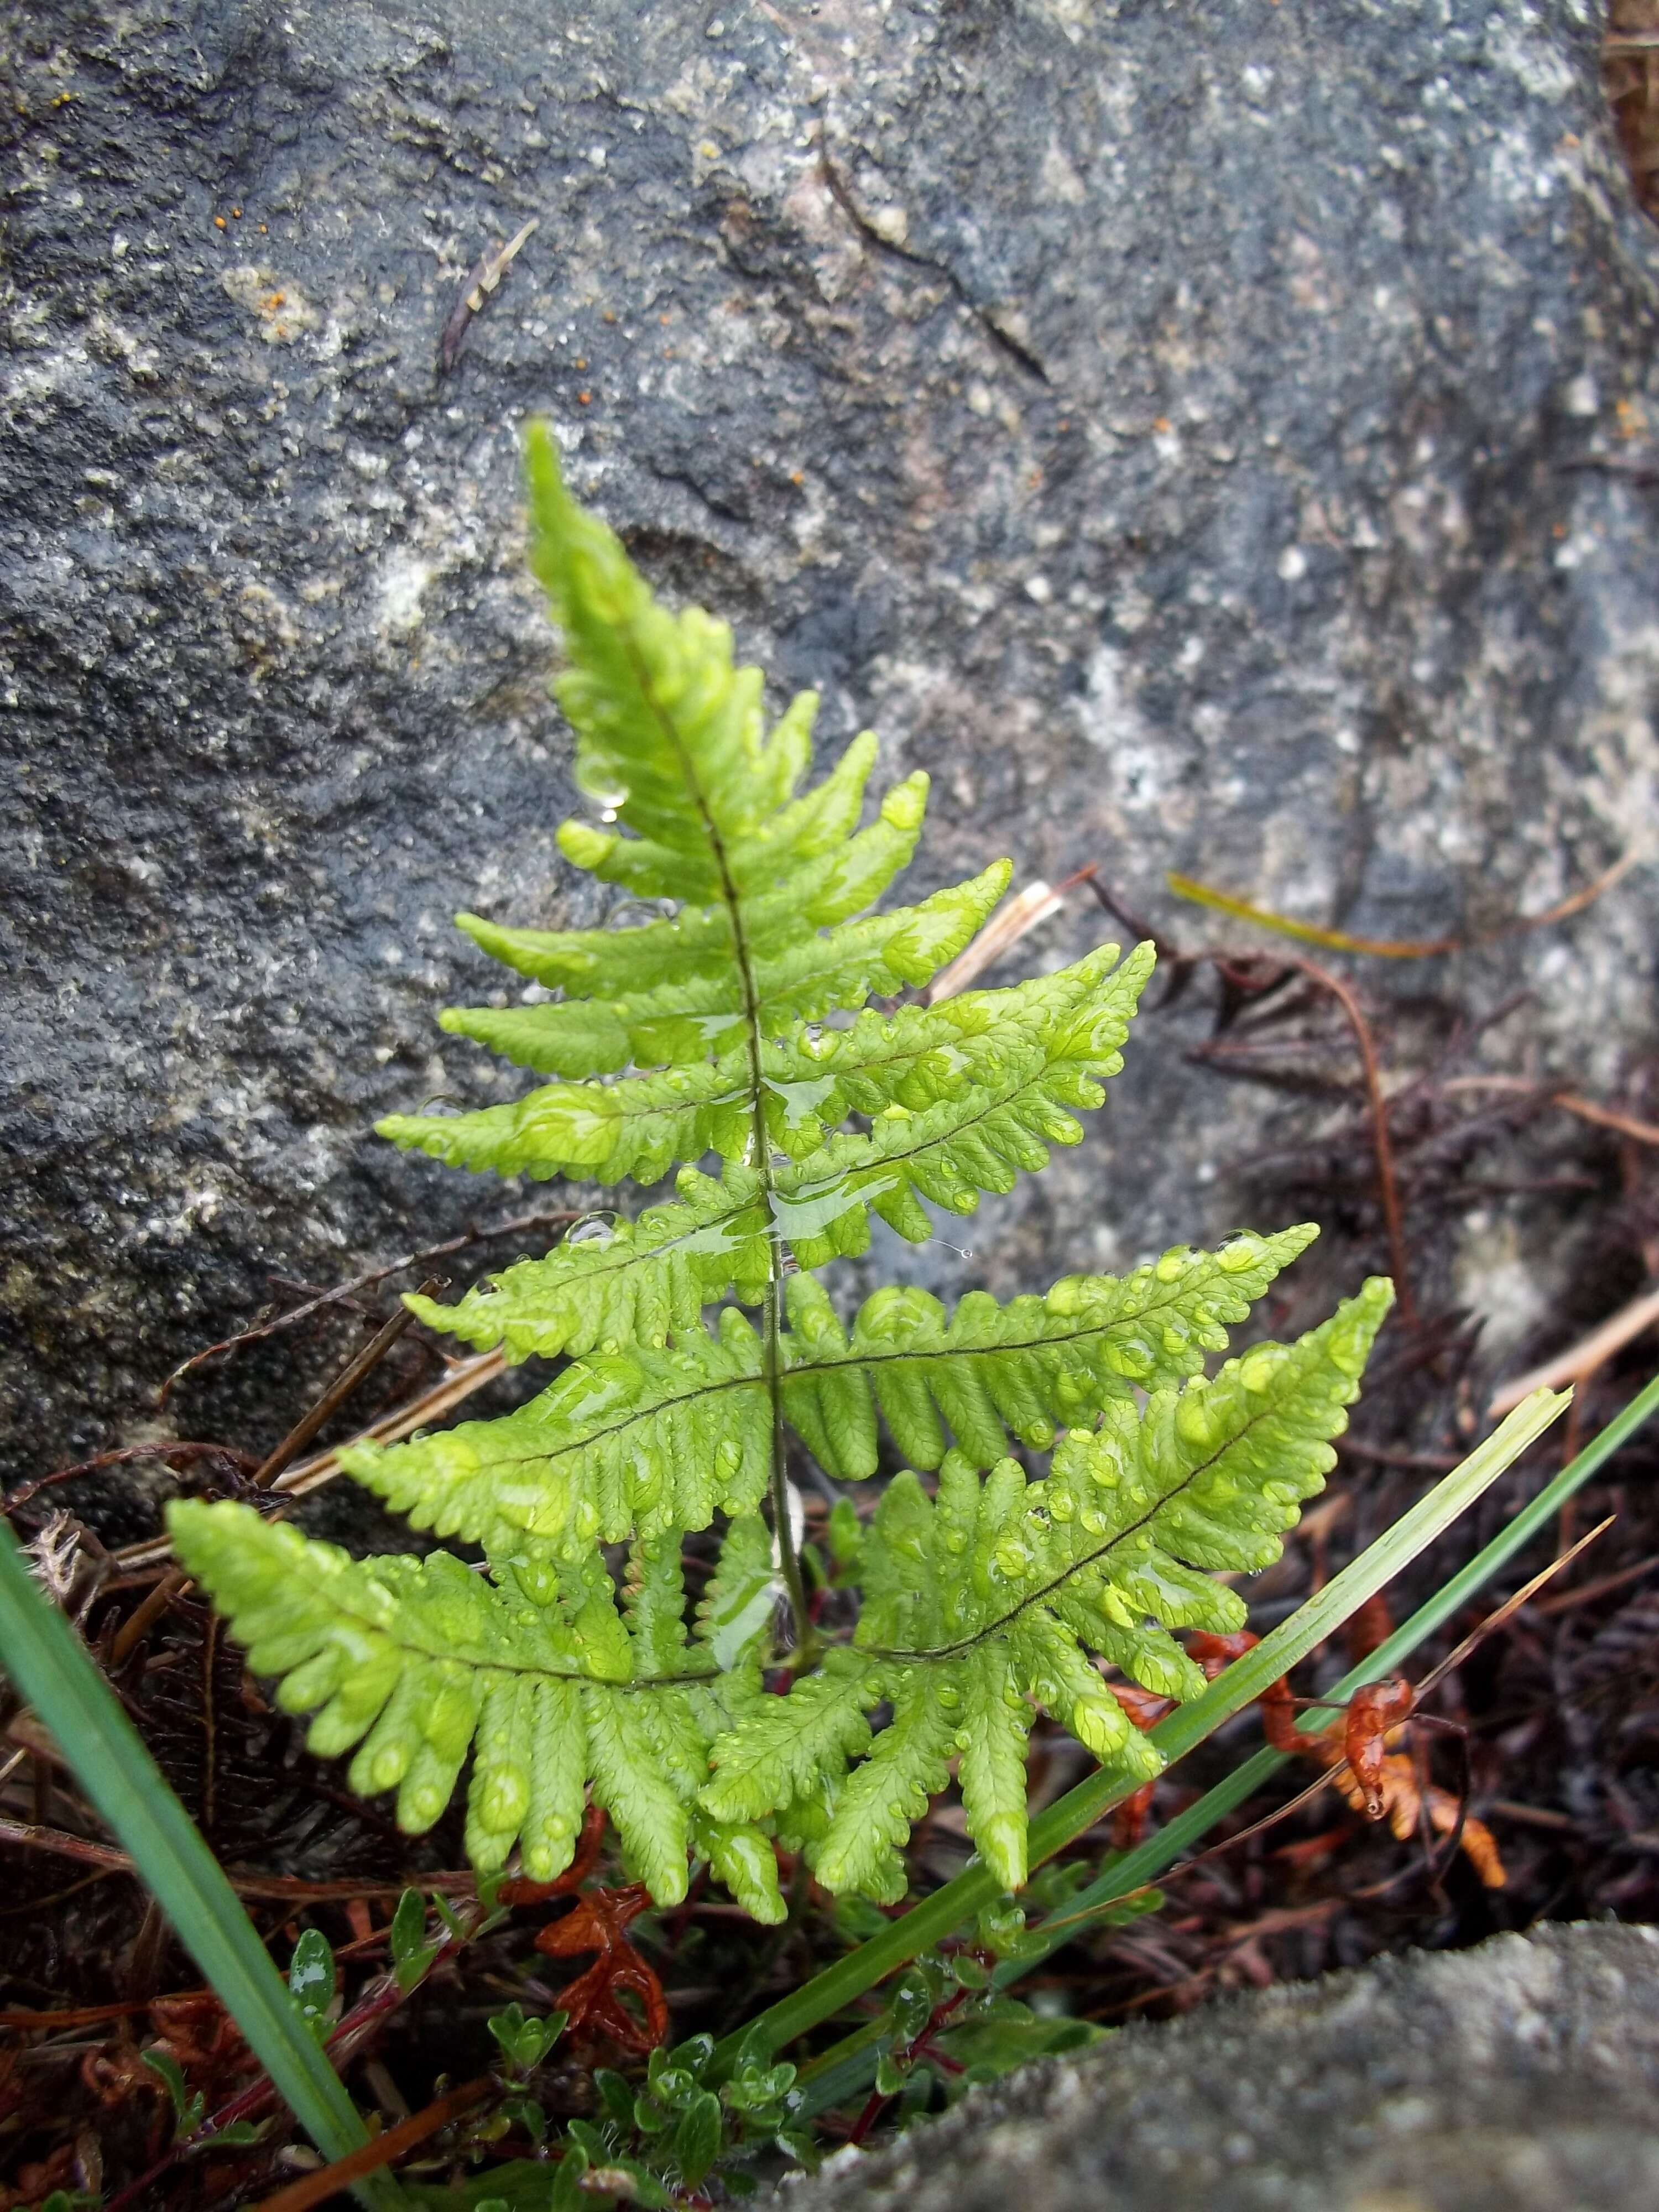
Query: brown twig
x,y
464,1378
1387,1185
339,1390
143,1617
267,1888
1604,1586
1604,1117
25,1491
1385,1455
1494,1620
344,1291
317,2188
1001,933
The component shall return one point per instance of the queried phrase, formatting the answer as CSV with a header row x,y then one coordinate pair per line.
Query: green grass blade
x,y
50,1668
1070,1816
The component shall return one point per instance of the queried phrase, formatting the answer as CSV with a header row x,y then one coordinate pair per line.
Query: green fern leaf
x,y
653,1439
645,1440
732,1030
414,1661
796,981
629,1282
995,1720
992,1592
638,1126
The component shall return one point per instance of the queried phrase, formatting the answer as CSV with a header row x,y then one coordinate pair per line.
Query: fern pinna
x,y
734,1028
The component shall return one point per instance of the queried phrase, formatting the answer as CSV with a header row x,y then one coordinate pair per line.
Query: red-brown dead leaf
x,y
597,1923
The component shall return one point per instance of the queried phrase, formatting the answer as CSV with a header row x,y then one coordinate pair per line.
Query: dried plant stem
x,y
1604,1117
1388,1187
1583,1357
339,1390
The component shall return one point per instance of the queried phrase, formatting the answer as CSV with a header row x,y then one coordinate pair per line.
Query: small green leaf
x,y
530,2116
568,2195
615,2095
799,2146
411,1954
699,2138
694,2055
912,2007
408,1925
187,2105
236,2133
311,1980
525,2042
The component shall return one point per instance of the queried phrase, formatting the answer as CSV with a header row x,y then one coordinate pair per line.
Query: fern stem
x,y
783,1534
806,1636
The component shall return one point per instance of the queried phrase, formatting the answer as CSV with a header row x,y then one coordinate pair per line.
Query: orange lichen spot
x,y
798,476
262,226
583,399
665,318
609,316
237,213
581,361
1161,424
271,301
218,222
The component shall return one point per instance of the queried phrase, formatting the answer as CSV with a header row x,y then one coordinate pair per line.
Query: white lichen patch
x,y
403,580
281,310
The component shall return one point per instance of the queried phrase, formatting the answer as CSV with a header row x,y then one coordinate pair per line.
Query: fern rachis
x,y
736,1042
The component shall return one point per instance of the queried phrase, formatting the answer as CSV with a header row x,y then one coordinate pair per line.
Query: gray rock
x,y
1156,420
1522,2077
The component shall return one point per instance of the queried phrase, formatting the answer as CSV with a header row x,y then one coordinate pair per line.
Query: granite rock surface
x,y
1522,2076
1163,424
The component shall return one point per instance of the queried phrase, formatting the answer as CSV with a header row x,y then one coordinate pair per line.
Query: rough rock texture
x,y
1522,2077
1155,419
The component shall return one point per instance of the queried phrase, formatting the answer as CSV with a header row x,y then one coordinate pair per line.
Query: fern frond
x,y
799,979
1026,1368
620,1281
732,1029
920,1056
992,1592
414,1661
975,1134
651,1439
